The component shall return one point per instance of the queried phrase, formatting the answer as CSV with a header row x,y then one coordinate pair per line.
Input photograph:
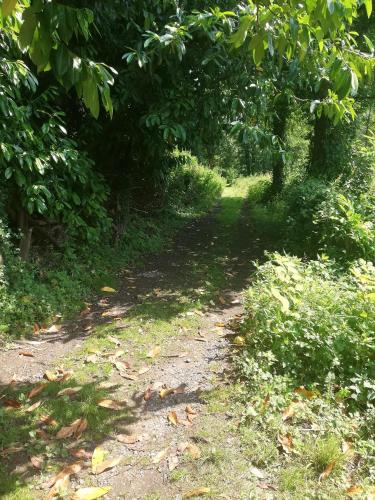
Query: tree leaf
x,y
107,464
97,457
8,7
197,492
111,404
108,289
368,5
172,417
91,493
75,429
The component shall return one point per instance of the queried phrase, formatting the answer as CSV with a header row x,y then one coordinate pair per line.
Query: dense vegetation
x,y
122,120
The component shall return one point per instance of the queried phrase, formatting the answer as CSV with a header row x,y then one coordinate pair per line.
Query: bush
x,y
317,327
192,186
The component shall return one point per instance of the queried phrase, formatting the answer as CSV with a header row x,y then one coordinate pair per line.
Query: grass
x,y
160,316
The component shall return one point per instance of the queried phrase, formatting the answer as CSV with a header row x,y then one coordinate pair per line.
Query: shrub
x,y
317,326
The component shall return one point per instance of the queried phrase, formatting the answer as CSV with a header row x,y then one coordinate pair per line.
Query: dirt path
x,y
176,304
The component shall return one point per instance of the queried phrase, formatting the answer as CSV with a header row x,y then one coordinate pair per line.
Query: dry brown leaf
x,y
27,354
327,471
147,394
220,325
36,390
34,406
222,300
36,329
127,438
65,473
107,464
91,492
160,456
193,451
107,385
47,420
111,404
354,490
286,442
75,429
154,352
81,453
11,403
12,449
266,486
173,418
43,435
85,311
69,391
189,410
197,492
37,462
290,411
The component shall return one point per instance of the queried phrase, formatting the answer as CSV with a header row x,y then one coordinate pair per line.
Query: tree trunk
x,y
318,155
279,129
26,231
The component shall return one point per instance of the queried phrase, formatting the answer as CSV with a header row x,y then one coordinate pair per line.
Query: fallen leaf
x,y
36,329
172,462
53,329
91,493
91,358
43,435
107,464
197,492
220,325
34,406
222,300
239,340
154,352
347,447
257,472
66,472
173,418
111,404
36,390
81,453
47,420
147,394
327,471
127,438
85,311
36,462
12,449
26,354
160,456
286,442
290,411
115,340
266,486
193,451
143,370
354,490
50,376
166,392
69,391
189,410
108,289
75,429
305,392
97,457
11,403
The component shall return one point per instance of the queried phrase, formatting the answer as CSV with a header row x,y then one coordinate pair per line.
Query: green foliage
x,y
317,325
59,281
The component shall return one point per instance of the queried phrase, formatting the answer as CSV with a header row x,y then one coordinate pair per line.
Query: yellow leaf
x,y
91,493
107,464
305,392
154,352
69,391
197,492
97,458
111,404
354,490
173,418
166,392
238,340
108,289
193,451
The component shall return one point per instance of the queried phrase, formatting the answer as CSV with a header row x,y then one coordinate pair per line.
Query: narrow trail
x,y
195,289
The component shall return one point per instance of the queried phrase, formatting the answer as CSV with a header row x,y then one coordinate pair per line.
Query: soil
x,y
204,354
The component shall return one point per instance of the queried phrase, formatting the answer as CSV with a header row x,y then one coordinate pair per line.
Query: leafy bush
x,y
191,185
317,327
